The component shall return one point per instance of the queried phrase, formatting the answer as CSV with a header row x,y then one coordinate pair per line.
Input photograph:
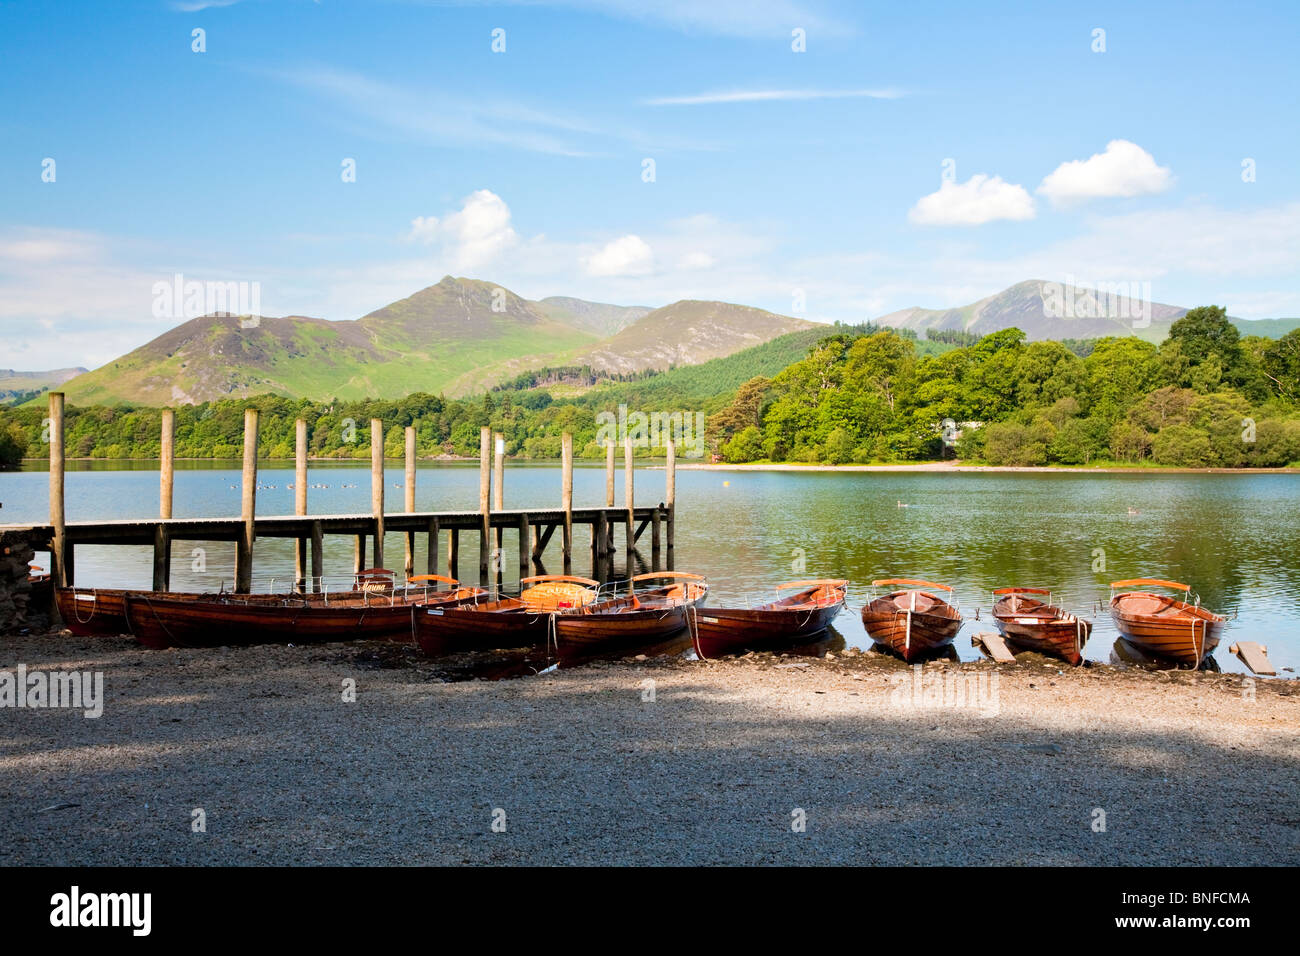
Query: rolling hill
x,y
686,333
14,383
457,337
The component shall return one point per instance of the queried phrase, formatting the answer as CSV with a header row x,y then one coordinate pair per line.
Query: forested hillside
x,y
839,394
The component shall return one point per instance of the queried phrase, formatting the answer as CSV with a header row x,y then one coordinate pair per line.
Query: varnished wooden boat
x,y
164,620
632,622
794,619
911,623
1178,631
522,621
1030,624
99,612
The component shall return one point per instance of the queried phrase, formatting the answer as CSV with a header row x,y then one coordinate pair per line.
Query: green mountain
x,y
14,383
458,337
598,318
687,333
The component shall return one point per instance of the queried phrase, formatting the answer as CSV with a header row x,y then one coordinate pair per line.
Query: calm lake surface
x,y
1234,538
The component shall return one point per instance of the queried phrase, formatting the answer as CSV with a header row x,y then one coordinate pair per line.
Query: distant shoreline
x,y
658,463
952,466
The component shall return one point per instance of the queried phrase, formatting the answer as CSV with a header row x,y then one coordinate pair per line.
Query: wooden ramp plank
x,y
994,645
1254,656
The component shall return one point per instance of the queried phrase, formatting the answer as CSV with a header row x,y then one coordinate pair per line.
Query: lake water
x,y
1234,538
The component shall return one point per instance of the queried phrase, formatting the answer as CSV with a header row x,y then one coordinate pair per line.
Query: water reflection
x,y
1234,538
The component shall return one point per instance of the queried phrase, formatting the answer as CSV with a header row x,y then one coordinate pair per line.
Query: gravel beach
x,y
855,759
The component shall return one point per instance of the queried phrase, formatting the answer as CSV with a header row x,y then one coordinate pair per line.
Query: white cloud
x,y
626,256
698,260
979,200
755,96
472,236
1124,169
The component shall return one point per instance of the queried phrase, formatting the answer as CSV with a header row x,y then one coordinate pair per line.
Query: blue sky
x,y
775,172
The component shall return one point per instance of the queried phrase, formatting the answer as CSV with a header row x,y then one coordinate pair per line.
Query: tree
x,y
1206,331
1280,363
13,446
839,447
1128,442
1182,445
746,446
1010,443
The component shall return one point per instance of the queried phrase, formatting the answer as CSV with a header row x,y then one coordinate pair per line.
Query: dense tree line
x,y
1204,397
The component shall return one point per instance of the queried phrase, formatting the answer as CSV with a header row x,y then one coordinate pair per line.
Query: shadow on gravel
x,y
588,769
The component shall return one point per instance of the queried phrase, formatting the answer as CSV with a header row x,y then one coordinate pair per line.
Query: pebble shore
x,y
849,759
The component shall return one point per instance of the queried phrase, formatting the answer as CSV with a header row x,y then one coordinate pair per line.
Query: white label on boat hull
x,y
709,620
433,610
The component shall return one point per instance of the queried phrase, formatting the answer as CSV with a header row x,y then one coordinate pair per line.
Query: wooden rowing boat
x,y
214,620
522,621
1030,624
797,618
101,612
911,623
632,622
1178,631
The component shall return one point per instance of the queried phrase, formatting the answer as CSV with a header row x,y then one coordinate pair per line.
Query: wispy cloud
x,y
440,118
733,18
759,96
194,6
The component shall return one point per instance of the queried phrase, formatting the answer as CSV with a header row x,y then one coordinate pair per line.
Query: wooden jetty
x,y
534,526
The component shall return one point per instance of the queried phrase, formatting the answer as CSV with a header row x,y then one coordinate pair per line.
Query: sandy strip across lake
x,y
1182,768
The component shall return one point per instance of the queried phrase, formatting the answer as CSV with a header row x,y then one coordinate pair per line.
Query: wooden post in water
x,y
431,559
162,544
408,485
248,509
566,497
377,487
524,546
630,498
60,553
300,503
317,556
167,463
453,553
484,501
607,546
670,497
499,496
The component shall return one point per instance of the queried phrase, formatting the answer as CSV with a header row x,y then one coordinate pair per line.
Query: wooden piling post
x,y
408,485
431,559
300,503
162,545
61,572
317,556
162,558
248,509
453,553
670,497
655,523
377,487
566,497
499,493
609,475
525,547
484,500
629,500
167,463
